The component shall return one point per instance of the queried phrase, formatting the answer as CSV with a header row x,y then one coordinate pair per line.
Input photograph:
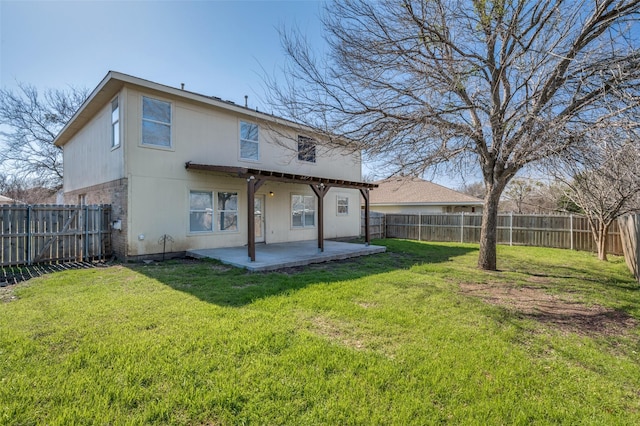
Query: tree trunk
x,y
488,233
601,241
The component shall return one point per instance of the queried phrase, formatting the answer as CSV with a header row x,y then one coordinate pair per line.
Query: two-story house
x,y
205,172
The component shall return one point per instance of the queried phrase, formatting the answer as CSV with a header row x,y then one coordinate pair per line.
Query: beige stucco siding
x,y
89,158
160,206
338,225
208,136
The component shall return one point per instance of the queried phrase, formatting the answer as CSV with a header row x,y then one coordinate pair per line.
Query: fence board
x,y
52,233
559,231
377,225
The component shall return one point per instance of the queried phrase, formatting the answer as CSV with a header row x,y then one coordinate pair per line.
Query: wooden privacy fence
x,y
560,231
630,233
376,225
52,233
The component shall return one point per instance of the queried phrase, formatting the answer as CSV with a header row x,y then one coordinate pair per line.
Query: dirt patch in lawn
x,y
336,331
559,311
7,292
6,295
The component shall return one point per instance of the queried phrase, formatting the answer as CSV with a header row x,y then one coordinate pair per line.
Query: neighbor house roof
x,y
415,191
6,200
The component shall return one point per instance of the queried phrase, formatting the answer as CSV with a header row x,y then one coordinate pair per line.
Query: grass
x,y
383,339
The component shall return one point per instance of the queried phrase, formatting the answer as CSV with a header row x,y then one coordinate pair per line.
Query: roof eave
x,y
430,203
113,82
88,108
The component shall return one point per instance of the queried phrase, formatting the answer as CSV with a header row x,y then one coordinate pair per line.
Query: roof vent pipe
x,y
246,101
181,86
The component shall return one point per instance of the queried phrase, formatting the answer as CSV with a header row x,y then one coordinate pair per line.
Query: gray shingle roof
x,y
412,190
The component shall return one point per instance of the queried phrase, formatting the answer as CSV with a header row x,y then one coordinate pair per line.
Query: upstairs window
x,y
115,123
156,122
303,211
249,146
306,149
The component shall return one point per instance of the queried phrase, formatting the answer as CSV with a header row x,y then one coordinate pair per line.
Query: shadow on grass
x,y
214,282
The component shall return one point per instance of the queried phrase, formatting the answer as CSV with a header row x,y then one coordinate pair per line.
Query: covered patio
x,y
300,253
286,255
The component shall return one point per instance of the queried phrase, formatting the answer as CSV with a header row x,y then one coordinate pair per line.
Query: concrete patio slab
x,y
270,257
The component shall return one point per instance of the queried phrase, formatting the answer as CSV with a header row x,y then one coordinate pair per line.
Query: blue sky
x,y
219,48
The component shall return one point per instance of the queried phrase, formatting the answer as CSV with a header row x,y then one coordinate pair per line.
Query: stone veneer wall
x,y
114,193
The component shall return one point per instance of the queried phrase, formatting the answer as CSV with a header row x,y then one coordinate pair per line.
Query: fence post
x,y
29,236
98,243
419,226
462,227
571,230
511,228
86,232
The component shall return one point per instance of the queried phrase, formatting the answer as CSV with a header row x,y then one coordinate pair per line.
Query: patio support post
x,y
320,191
367,234
252,187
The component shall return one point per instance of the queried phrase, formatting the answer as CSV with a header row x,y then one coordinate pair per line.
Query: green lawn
x,y
416,335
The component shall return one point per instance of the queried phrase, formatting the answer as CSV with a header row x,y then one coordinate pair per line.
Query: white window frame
x,y
208,211
250,141
303,216
115,123
220,211
345,203
169,124
303,156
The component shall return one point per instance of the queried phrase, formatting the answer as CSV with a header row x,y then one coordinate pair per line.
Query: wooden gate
x,y
51,233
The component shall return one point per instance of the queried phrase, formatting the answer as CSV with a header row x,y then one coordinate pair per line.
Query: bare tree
x,y
32,122
499,84
550,198
21,191
12,187
475,189
605,184
522,193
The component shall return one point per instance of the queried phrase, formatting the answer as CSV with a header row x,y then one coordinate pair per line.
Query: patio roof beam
x,y
244,172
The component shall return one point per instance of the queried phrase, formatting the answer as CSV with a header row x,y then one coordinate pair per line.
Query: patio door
x,y
258,217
